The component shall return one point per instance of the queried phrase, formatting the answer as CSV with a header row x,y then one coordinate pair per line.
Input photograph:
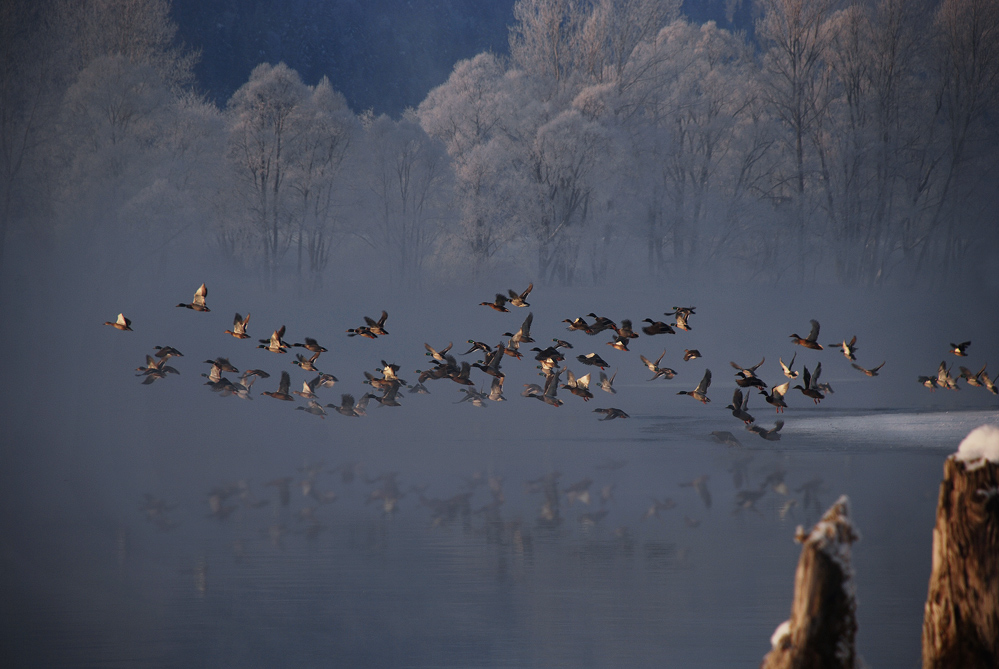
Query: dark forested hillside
x,y
382,54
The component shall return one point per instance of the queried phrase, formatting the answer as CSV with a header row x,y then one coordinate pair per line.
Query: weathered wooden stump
x,y
823,623
961,620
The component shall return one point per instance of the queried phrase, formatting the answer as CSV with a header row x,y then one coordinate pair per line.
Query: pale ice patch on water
x,y
893,429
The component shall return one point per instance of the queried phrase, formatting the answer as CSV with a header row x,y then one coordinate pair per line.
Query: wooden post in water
x,y
823,622
961,619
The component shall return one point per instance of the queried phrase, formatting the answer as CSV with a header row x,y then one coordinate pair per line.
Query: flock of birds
x,y
387,388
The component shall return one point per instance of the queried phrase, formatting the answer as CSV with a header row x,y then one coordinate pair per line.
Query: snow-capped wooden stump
x,y
823,623
961,620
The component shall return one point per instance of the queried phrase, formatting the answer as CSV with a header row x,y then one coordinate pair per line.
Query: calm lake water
x,y
113,554
480,584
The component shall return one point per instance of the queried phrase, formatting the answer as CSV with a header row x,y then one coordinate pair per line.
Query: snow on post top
x,y
980,446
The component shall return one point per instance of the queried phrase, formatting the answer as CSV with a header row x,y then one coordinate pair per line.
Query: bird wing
x,y
702,387
814,334
285,383
200,295
525,329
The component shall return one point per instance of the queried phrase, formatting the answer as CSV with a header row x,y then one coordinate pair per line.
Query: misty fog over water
x,y
662,163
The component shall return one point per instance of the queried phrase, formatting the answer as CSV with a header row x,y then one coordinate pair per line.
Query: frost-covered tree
x,y
683,121
266,118
474,113
329,129
613,29
113,118
562,166
966,97
76,81
140,31
793,36
545,42
408,180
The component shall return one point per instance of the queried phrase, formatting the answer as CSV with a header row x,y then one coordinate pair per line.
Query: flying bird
x,y
121,324
282,393
809,341
518,299
656,327
198,303
239,327
788,372
700,393
592,359
960,349
869,372
664,372
498,304
849,349
275,344
739,407
681,314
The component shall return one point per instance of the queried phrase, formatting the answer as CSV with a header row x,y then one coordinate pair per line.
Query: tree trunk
x,y
961,621
823,622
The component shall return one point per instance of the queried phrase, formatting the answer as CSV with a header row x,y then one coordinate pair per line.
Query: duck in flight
x,y
786,369
198,303
121,324
310,345
607,384
656,327
739,407
239,327
307,364
700,393
869,372
371,329
681,314
523,335
499,304
849,349
960,349
377,327
518,299
809,341
664,372
776,396
282,393
810,389
275,344
592,359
